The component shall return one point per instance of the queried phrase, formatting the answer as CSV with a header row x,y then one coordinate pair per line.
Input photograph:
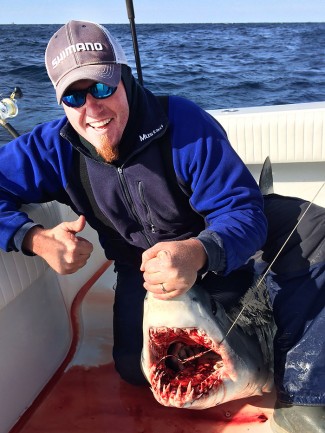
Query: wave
x,y
215,65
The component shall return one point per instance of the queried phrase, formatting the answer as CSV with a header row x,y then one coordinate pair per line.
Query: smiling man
x,y
156,177
99,120
79,51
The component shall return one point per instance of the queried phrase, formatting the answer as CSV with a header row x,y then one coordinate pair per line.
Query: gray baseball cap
x,y
82,50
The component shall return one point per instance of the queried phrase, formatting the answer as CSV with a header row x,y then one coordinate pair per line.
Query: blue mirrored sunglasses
x,y
77,98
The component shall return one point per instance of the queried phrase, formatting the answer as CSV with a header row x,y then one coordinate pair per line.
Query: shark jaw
x,y
190,361
181,382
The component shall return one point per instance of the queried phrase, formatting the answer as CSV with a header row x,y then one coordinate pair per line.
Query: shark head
x,y
222,368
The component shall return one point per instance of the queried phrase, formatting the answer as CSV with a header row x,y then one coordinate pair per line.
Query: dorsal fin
x,y
266,178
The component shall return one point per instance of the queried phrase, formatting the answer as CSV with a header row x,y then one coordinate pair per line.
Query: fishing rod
x,y
131,16
9,109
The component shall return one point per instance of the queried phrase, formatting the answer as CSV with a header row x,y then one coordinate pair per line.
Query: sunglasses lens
x,y
75,99
101,91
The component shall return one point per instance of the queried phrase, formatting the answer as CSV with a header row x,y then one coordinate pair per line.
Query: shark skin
x,y
223,367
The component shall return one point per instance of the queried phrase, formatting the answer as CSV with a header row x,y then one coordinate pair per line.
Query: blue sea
x,y
215,65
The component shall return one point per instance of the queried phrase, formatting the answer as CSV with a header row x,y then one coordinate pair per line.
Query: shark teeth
x,y
180,396
159,335
190,379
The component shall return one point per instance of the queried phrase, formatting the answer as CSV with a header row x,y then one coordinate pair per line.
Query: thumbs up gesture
x,y
60,246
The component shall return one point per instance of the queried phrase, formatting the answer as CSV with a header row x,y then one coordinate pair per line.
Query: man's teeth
x,y
99,124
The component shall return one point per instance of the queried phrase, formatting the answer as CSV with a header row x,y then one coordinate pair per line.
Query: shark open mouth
x,y
177,380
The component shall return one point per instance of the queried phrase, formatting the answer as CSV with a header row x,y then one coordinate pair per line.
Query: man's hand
x,y
170,268
63,250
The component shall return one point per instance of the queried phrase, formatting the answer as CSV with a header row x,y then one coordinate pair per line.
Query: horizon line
x,y
183,23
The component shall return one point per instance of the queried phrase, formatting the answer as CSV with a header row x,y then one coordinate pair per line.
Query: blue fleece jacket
x,y
135,203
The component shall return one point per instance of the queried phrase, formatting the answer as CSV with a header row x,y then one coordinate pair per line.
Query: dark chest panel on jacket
x,y
135,206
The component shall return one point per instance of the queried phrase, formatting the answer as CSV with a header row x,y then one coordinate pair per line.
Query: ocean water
x,y
215,65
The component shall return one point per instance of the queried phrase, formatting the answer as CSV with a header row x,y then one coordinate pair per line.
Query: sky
x,y
162,11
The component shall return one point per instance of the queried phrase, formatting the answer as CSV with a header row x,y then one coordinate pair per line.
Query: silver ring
x,y
163,288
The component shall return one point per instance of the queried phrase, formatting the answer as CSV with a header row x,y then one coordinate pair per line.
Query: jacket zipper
x,y
130,202
145,204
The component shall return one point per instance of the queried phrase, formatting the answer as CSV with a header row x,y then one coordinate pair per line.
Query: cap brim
x,y
109,74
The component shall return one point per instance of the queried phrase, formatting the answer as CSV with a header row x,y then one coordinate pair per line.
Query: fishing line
x,y
191,358
272,263
185,360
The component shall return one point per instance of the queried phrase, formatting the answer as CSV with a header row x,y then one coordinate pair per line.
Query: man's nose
x,y
93,103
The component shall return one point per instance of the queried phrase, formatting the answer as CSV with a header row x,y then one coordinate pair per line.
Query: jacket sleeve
x,y
222,189
33,169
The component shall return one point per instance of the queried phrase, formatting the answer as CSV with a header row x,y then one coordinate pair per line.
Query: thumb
x,y
149,254
163,255
153,252
77,225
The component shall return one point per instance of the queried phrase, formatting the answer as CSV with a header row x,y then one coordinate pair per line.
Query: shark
x,y
191,362
201,350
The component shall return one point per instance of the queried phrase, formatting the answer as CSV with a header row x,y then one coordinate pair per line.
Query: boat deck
x,y
87,395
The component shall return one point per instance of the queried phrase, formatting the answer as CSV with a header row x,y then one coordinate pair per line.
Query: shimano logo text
x,y
87,46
